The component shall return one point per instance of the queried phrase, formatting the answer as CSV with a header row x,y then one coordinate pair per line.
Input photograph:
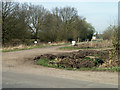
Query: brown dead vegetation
x,y
80,59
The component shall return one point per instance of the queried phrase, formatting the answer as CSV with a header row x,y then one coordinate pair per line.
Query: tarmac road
x,y
20,80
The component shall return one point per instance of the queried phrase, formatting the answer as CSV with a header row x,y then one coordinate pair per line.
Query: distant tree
x,y
72,26
115,38
7,9
21,20
0,24
26,21
50,27
36,17
14,22
107,34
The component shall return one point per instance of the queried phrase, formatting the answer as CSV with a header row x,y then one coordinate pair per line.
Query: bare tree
x,y
36,18
7,9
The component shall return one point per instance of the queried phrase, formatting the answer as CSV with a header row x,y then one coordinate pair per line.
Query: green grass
x,y
45,62
96,55
88,58
73,48
76,48
32,47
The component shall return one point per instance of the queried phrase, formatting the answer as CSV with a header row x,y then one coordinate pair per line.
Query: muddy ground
x,y
80,59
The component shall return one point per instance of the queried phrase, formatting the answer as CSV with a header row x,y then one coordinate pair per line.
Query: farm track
x,y
22,62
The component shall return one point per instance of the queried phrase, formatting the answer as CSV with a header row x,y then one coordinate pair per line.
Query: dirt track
x,y
22,62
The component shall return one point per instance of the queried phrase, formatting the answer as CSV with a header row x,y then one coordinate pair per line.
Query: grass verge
x,y
29,47
73,48
77,48
45,62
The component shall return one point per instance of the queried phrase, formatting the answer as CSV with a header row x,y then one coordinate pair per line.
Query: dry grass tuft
x,y
15,47
22,46
96,44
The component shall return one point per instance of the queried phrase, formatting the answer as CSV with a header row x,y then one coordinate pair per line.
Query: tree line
x,y
110,32
25,22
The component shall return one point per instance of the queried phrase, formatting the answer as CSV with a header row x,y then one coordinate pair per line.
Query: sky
x,y
100,14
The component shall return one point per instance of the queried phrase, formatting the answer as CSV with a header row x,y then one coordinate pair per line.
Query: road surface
x,y
20,71
20,80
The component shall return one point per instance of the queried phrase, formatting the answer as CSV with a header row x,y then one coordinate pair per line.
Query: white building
x,y
94,38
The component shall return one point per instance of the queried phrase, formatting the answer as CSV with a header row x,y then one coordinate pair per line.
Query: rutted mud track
x,y
22,62
20,58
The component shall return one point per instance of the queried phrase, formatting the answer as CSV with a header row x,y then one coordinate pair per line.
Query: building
x,y
95,36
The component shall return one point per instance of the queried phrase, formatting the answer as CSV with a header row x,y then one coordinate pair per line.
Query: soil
x,y
79,59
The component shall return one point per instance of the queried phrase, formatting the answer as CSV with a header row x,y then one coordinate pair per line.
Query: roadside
x,y
25,47
22,62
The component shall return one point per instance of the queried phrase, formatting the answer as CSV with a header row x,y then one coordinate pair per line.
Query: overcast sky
x,y
99,14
